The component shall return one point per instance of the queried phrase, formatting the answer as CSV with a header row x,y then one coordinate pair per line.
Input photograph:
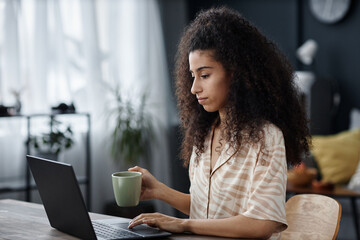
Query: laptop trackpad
x,y
124,223
140,229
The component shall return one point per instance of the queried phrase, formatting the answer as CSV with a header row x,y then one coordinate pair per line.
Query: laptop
x,y
66,210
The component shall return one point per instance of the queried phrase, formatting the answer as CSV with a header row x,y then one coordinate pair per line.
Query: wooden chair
x,y
312,216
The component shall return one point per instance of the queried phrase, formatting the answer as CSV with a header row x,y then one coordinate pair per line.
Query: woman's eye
x,y
204,76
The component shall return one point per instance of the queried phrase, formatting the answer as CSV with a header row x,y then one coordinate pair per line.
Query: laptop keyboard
x,y
108,232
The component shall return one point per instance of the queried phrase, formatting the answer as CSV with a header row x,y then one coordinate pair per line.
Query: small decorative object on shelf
x,y
17,95
13,110
63,108
4,111
8,111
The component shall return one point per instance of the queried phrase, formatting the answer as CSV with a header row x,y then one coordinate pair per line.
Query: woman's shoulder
x,y
272,134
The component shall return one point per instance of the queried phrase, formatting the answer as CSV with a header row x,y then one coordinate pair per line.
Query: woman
x,y
242,122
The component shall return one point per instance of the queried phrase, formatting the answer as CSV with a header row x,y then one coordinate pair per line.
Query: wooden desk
x,y
24,221
337,192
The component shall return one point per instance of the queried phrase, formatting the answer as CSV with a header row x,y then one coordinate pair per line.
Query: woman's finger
x,y
134,169
138,169
139,221
136,220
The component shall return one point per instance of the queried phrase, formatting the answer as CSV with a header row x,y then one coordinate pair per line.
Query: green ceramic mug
x,y
127,188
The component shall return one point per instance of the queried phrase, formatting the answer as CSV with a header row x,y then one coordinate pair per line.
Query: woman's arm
x,y
238,226
151,188
179,200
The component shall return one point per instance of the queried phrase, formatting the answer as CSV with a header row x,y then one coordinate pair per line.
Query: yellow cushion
x,y
337,155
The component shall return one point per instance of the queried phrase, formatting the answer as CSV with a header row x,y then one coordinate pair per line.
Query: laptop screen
x,y
61,197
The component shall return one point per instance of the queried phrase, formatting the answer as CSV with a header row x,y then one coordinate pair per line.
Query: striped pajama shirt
x,y
250,181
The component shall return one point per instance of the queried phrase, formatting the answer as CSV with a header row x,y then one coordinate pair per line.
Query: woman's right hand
x,y
151,188
150,185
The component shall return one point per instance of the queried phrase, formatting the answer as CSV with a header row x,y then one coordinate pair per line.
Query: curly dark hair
x,y
262,88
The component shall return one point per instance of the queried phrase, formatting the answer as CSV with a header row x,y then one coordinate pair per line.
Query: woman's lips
x,y
201,100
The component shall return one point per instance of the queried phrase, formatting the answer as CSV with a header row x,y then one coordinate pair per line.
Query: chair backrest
x,y
312,216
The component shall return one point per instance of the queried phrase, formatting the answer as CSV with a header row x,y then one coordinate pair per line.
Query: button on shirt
x,y
250,181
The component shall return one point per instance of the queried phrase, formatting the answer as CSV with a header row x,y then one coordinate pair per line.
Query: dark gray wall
x,y
174,15
337,58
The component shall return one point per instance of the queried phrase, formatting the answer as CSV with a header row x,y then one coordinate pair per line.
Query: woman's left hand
x,y
161,221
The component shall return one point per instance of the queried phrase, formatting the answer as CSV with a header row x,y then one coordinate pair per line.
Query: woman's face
x,y
211,81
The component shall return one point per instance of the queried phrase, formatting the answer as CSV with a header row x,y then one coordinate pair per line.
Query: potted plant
x,y
131,138
50,144
133,129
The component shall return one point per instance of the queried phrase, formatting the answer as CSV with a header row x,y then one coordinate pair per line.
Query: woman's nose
x,y
195,88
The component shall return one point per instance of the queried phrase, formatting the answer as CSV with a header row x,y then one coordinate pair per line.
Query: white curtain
x,y
64,51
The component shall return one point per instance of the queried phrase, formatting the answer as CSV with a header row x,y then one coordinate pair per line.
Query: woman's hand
x,y
150,185
164,222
